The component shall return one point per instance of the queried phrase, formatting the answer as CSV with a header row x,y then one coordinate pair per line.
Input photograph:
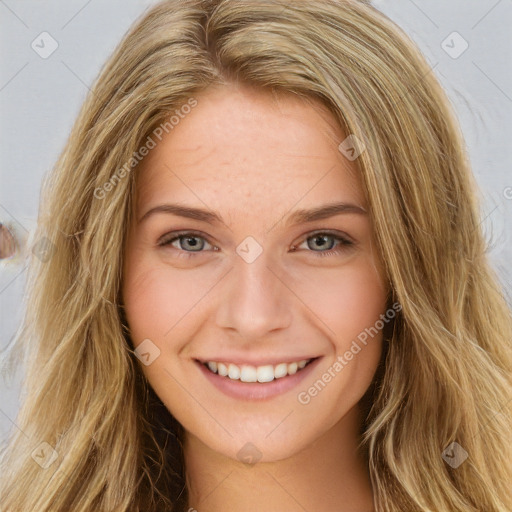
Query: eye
x,y
186,242
321,240
189,242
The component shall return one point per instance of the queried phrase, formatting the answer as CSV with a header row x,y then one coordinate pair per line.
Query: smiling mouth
x,y
262,374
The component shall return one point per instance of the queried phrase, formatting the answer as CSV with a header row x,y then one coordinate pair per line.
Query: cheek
x,y
157,311
347,300
145,298
157,298
350,304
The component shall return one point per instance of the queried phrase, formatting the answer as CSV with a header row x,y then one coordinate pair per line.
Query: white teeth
x,y
265,373
292,368
234,372
222,369
247,373
280,370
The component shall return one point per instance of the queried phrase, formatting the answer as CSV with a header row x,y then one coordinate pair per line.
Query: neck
x,y
329,475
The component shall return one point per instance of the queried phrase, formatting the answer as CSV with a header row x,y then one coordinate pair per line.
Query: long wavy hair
x,y
446,375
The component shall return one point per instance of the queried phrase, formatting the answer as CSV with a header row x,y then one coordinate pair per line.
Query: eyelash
x,y
344,243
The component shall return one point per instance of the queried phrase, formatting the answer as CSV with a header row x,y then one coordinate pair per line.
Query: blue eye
x,y
188,242
319,238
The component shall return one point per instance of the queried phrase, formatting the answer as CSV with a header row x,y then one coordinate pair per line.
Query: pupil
x,y
192,241
320,240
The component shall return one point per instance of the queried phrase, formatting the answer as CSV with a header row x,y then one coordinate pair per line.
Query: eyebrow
x,y
297,217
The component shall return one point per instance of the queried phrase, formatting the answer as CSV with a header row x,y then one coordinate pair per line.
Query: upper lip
x,y
256,362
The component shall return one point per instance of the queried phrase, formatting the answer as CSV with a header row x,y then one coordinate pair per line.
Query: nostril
x,y
8,245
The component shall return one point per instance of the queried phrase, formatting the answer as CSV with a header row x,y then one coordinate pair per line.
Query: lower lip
x,y
257,390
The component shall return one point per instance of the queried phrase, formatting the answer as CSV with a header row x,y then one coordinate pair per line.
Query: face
x,y
255,284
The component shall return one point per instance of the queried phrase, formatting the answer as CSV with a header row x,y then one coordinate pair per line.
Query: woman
x,y
262,372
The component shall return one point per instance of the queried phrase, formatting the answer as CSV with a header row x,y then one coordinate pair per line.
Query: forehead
x,y
243,147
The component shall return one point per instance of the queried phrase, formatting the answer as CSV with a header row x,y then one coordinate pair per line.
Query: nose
x,y
255,300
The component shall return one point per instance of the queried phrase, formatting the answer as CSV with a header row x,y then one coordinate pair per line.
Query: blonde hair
x,y
446,374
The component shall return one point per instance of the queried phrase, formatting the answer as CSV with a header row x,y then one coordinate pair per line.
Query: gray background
x,y
40,98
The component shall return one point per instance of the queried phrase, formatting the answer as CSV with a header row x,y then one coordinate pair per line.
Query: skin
x,y
254,159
